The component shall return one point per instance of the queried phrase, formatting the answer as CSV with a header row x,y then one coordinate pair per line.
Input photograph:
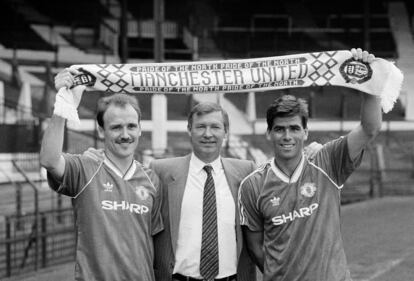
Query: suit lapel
x,y
175,196
233,179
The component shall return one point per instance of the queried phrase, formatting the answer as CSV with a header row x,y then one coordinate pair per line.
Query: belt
x,y
180,277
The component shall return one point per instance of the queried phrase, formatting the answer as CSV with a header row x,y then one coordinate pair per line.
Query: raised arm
x,y
371,115
51,150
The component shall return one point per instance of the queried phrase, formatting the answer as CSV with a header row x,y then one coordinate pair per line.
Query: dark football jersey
x,y
115,215
300,215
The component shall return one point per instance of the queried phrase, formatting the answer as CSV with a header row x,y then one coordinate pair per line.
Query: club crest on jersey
x,y
308,189
108,187
275,201
142,192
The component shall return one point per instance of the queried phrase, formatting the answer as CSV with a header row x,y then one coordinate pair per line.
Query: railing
x,y
284,23
26,162
354,19
291,30
270,34
36,243
145,28
12,112
29,237
36,206
265,41
277,18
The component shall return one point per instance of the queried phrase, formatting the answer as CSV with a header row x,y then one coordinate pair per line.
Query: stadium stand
x,y
15,31
295,26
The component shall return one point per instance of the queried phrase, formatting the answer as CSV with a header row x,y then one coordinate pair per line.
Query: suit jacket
x,y
173,176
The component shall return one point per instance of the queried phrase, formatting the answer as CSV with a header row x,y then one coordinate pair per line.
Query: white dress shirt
x,y
187,257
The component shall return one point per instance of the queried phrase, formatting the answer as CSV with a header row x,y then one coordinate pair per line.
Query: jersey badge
x,y
275,201
308,189
142,192
108,186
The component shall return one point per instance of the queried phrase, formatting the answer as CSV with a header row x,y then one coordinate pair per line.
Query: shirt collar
x,y
283,176
129,173
197,165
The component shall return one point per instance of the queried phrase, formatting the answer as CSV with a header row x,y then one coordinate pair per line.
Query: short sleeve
x,y
250,215
335,160
77,169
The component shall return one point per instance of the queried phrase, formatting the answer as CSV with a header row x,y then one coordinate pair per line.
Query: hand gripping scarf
x,y
335,68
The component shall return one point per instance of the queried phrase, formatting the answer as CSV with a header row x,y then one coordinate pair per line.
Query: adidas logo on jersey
x,y
275,201
295,214
124,206
108,186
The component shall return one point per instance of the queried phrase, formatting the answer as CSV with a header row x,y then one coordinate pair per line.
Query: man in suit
x,y
179,247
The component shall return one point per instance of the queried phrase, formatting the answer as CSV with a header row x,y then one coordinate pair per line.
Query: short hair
x,y
287,106
207,107
120,100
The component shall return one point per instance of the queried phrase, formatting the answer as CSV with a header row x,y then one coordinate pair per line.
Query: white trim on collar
x,y
128,175
283,176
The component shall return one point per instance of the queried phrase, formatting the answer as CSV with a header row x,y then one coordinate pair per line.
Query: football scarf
x,y
334,68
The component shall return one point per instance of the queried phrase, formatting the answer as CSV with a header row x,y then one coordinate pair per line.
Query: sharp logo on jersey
x,y
142,192
124,206
296,214
108,186
308,189
275,201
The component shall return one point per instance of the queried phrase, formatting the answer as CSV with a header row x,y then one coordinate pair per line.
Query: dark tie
x,y
209,259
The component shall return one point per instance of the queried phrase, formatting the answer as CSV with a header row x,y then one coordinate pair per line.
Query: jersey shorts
x,y
300,215
115,218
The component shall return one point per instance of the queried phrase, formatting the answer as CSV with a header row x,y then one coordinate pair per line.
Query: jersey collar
x,y
283,176
129,173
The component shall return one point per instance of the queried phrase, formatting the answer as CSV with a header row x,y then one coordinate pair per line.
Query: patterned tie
x,y
209,259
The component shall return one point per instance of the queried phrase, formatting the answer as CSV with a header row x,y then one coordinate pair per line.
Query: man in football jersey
x,y
290,206
116,201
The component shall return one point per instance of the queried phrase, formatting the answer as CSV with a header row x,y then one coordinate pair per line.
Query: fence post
x,y
8,248
18,204
44,240
59,208
36,209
